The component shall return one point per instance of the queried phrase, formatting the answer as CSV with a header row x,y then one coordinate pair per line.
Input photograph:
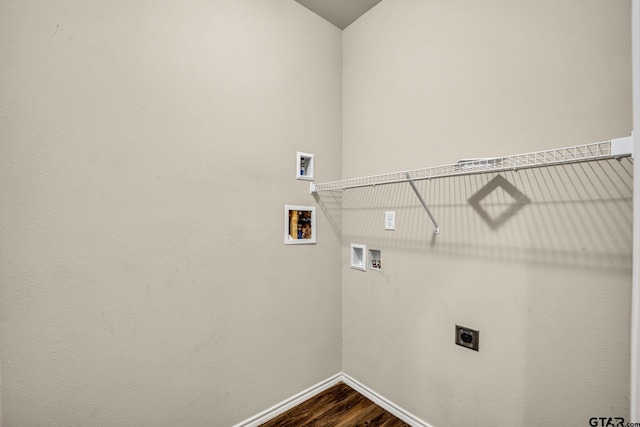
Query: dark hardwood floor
x,y
339,405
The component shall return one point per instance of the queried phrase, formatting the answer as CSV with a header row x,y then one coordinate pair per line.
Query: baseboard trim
x,y
307,394
291,402
383,402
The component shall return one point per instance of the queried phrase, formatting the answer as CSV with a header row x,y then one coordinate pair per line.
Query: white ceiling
x,y
340,13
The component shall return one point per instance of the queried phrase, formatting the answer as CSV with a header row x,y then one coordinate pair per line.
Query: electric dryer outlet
x,y
467,337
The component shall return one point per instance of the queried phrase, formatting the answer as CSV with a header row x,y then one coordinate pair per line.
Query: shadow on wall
x,y
504,211
331,207
576,215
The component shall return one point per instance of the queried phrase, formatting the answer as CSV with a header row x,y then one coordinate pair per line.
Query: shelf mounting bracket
x,y
415,189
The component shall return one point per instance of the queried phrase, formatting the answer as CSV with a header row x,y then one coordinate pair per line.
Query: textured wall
x,y
148,149
547,281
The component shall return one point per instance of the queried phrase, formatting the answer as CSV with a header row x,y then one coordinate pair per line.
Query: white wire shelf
x,y
615,148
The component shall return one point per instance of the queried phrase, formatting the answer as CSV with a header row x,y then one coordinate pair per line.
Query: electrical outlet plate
x,y
390,220
467,337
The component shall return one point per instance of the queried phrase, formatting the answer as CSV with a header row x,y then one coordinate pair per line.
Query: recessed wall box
x,y
375,259
304,166
299,225
359,257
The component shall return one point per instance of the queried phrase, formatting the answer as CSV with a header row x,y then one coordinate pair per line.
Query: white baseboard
x,y
384,403
291,402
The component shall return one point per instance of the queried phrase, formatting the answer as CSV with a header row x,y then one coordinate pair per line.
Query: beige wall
x,y
147,152
428,83
148,149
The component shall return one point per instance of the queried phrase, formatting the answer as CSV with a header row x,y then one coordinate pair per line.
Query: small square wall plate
x,y
299,225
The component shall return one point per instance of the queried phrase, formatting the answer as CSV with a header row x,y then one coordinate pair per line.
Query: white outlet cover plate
x,y
390,220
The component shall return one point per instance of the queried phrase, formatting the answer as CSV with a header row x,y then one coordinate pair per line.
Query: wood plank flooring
x,y
340,406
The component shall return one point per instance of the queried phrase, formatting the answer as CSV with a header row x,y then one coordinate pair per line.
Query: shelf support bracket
x,y
415,189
